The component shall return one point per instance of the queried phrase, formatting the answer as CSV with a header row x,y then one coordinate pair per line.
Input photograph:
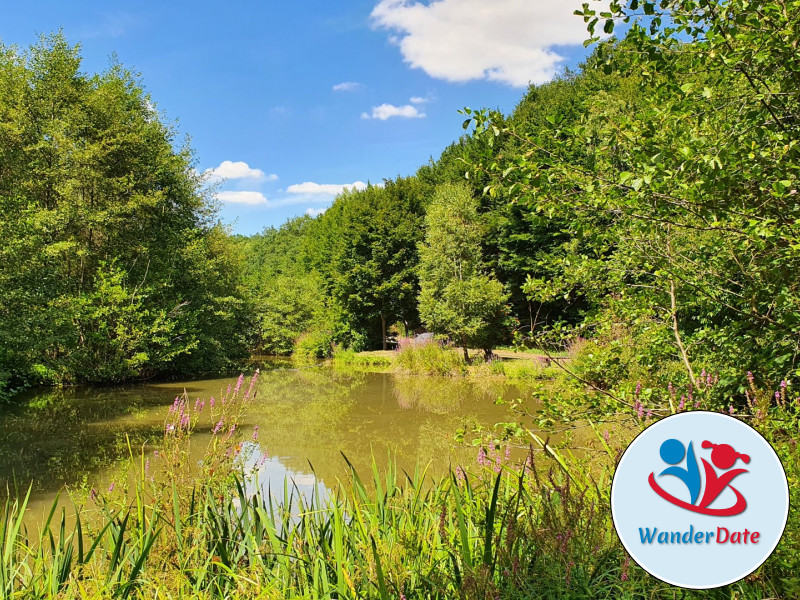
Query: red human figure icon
x,y
724,457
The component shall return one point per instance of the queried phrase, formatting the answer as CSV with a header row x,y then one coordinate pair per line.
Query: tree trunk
x,y
677,333
466,352
383,330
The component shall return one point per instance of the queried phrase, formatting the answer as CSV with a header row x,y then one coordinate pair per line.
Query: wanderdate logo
x,y
723,457
699,499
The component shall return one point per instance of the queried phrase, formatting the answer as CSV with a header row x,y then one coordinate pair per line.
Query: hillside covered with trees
x,y
645,202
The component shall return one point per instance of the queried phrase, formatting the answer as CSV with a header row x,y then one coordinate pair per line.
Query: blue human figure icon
x,y
672,453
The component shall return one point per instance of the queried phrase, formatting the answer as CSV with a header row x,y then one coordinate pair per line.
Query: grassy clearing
x,y
350,358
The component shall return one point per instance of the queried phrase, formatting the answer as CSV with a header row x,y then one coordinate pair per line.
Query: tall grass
x,y
430,358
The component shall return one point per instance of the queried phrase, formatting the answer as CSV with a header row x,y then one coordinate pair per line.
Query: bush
x,y
313,345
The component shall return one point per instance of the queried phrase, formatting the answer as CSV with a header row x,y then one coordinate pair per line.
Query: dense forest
x,y
645,204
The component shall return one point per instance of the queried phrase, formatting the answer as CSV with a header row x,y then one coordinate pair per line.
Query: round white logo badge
x,y
699,499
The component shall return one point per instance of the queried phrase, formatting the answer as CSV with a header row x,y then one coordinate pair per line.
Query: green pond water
x,y
306,417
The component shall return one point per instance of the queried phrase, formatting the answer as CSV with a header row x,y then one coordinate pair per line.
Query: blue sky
x,y
290,101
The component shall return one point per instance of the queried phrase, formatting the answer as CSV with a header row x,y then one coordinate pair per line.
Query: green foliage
x,y
286,297
667,167
313,345
111,266
365,248
457,298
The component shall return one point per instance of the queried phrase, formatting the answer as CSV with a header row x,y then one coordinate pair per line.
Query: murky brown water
x,y
307,417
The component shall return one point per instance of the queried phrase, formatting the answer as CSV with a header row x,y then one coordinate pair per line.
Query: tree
x,y
457,298
110,251
288,299
691,182
365,246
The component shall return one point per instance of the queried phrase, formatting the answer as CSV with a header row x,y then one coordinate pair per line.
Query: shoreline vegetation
x,y
540,528
433,358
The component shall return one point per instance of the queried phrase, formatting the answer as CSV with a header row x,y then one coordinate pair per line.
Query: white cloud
x,y
309,188
510,41
347,86
417,100
387,111
315,212
251,198
237,170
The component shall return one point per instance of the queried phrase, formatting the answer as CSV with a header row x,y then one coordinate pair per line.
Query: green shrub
x,y
313,345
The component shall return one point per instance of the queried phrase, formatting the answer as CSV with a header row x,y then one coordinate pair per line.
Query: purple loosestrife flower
x,y
460,475
238,384
111,487
639,409
638,389
606,435
255,433
750,377
731,410
211,401
218,427
682,404
784,384
482,461
649,414
252,383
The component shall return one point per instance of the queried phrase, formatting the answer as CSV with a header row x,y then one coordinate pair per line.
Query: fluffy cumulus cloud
x,y
509,41
251,198
228,169
348,86
387,111
315,212
309,188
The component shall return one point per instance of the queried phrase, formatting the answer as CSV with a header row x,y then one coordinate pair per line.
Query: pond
x,y
307,418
